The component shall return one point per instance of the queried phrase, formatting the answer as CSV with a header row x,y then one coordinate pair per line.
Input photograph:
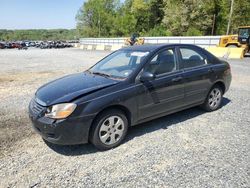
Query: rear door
x,y
196,75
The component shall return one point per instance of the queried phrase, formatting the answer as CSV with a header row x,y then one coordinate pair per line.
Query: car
x,y
15,45
8,45
22,46
2,45
128,87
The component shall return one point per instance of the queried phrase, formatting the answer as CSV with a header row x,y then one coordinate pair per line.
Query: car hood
x,y
68,88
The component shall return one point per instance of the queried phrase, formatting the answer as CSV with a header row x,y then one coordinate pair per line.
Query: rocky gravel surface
x,y
186,149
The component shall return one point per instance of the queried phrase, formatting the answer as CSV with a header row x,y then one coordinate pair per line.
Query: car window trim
x,y
159,76
197,67
167,73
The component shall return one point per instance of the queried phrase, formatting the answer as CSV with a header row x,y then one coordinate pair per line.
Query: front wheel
x,y
214,99
109,129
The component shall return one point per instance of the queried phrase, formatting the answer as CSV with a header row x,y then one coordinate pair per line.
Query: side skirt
x,y
167,113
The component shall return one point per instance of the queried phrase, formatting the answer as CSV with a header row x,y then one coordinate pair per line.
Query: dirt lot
x,y
187,149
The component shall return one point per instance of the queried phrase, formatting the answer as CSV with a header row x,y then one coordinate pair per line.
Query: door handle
x,y
211,70
177,79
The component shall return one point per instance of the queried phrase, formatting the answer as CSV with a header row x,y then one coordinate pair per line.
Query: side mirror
x,y
147,76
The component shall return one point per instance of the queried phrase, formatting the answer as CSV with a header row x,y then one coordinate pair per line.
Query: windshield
x,y
244,33
119,65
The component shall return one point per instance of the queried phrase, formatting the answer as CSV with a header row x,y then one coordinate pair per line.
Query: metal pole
x,y
213,25
230,16
99,22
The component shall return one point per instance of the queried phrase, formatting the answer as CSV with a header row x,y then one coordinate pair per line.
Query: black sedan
x,y
130,86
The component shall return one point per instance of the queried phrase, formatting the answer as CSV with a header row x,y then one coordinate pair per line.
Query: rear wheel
x,y
109,129
214,99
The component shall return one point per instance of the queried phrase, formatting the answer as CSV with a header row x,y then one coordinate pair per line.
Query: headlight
x,y
60,111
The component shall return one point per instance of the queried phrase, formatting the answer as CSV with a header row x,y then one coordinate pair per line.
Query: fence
x,y
203,41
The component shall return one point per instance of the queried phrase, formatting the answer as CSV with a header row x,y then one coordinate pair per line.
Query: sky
x,y
38,14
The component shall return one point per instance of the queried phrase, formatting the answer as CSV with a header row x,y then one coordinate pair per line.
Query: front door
x,y
166,92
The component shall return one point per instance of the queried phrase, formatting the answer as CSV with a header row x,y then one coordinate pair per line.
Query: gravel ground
x,y
187,149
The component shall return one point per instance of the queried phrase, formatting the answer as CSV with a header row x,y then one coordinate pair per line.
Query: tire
x,y
214,99
109,129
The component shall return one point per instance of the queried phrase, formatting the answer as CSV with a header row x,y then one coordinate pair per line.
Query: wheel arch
x,y
122,108
221,85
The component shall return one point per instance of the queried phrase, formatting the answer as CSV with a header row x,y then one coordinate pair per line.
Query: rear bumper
x,y
64,132
227,81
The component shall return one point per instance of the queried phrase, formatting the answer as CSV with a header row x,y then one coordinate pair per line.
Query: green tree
x,y
183,17
95,18
37,34
122,19
124,23
241,14
148,15
196,17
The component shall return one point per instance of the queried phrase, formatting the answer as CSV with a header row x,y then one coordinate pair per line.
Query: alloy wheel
x,y
111,130
214,98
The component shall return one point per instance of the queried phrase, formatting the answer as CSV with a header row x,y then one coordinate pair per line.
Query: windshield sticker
x,y
139,54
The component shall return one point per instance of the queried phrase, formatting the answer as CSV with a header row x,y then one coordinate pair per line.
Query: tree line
x,y
116,18
113,18
38,34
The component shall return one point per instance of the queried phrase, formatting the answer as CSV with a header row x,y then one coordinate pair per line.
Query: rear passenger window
x,y
191,58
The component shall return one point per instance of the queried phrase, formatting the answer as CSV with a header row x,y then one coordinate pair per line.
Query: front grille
x,y
35,107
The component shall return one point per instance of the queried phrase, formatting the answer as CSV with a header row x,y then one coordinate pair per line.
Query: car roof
x,y
153,47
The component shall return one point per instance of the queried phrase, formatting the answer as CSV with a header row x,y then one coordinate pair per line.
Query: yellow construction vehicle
x,y
129,42
237,41
134,40
229,41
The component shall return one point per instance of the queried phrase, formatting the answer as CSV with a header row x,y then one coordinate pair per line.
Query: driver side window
x,y
163,62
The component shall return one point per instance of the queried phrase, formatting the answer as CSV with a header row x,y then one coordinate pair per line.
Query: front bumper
x,y
63,132
70,131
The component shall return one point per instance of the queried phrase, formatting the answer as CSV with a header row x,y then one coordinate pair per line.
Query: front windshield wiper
x,y
101,74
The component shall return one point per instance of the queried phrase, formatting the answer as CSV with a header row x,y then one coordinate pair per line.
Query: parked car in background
x,y
22,46
8,45
2,45
130,86
38,44
54,44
